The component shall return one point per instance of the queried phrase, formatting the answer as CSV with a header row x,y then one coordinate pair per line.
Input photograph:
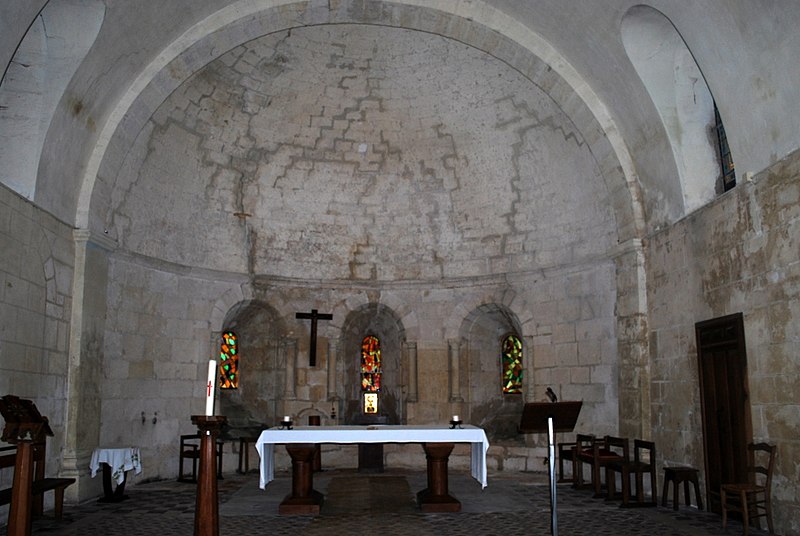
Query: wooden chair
x,y
595,452
190,449
566,452
583,450
619,462
752,499
644,462
245,443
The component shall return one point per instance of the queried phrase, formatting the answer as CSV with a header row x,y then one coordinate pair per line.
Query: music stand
x,y
550,417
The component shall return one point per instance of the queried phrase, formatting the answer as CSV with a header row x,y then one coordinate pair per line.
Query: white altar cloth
x,y
373,434
118,459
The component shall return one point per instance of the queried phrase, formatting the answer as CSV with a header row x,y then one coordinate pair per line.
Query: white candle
x,y
286,418
212,376
455,418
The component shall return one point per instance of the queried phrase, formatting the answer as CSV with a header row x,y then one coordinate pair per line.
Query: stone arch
x,y
229,301
503,295
383,322
481,334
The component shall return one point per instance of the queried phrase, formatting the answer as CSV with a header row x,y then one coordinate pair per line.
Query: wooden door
x,y
725,402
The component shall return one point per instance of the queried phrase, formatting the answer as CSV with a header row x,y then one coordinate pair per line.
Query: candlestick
x,y
212,376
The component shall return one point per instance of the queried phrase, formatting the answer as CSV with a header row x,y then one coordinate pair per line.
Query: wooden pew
x,y
40,485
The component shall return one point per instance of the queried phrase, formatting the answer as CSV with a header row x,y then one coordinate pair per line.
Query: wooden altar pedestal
x,y
304,499
436,497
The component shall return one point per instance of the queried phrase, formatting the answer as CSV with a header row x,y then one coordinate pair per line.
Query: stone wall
x,y
739,254
162,322
36,268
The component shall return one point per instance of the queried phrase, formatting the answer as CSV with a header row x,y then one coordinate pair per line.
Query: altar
x,y
436,441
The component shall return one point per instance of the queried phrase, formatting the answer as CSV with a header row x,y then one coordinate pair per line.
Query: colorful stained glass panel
x,y
229,361
371,371
512,365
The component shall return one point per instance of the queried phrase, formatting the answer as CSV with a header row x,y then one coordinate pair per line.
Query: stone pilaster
x,y
454,358
632,341
528,384
333,354
410,350
289,350
86,343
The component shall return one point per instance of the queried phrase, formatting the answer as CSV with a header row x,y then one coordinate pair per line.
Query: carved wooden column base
x,y
436,497
206,515
19,515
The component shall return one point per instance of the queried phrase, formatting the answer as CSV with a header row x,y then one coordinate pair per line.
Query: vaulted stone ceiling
x,y
361,152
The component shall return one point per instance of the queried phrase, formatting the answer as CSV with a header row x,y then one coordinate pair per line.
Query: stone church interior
x,y
394,212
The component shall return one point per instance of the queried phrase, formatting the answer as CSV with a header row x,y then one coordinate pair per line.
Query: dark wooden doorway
x,y
725,401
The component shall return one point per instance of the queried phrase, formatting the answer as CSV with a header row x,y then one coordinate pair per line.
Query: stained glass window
x,y
725,158
371,364
229,361
512,365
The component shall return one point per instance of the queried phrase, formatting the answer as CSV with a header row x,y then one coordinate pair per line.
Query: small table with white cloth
x,y
116,463
437,442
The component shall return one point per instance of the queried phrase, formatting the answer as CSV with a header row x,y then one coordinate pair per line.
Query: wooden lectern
x,y
550,417
24,427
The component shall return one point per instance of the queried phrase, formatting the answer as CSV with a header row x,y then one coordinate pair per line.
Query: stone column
x,y
215,345
333,350
410,350
289,347
528,385
454,356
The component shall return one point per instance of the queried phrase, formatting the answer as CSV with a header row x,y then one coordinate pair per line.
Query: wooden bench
x,y
40,485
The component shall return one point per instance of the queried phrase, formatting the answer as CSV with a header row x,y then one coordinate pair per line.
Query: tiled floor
x,y
358,504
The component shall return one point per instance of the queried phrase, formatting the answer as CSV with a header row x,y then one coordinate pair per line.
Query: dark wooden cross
x,y
313,316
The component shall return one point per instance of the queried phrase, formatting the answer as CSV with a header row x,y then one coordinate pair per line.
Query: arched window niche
x,y
684,102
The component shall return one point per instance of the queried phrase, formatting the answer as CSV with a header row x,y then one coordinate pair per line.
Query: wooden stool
x,y
676,475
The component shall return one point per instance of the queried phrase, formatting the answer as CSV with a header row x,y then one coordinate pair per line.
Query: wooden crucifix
x,y
313,316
